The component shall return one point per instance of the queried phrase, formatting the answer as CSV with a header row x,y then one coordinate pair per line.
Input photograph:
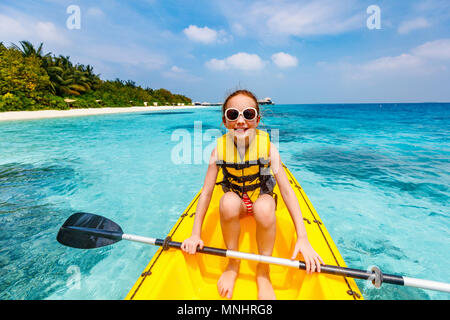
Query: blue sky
x,y
292,51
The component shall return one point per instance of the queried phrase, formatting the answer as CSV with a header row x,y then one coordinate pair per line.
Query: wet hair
x,y
243,92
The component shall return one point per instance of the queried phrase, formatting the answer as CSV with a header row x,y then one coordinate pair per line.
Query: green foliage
x,y
14,102
22,75
32,80
28,49
52,102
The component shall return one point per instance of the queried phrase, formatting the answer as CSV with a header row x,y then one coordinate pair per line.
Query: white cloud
x,y
203,35
133,56
438,49
238,29
47,31
403,61
410,25
180,74
441,6
11,28
18,28
177,69
315,18
95,12
270,19
216,64
428,58
284,60
206,35
239,61
245,61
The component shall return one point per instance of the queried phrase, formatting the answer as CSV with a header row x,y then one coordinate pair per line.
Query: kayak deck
x,y
175,275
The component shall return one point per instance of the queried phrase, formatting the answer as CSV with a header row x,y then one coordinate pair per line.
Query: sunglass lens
x,y
249,114
232,114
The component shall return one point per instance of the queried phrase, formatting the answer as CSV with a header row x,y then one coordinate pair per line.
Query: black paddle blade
x,y
87,231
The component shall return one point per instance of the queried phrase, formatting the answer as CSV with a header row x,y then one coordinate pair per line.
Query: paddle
x,y
88,231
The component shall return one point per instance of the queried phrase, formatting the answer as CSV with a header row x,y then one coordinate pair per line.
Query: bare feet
x,y
265,289
225,285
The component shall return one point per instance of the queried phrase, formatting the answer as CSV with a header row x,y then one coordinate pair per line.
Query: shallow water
x,y
378,175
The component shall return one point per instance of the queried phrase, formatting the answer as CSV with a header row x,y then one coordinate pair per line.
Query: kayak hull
x,y
176,275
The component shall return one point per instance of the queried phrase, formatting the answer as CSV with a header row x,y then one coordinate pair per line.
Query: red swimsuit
x,y
248,204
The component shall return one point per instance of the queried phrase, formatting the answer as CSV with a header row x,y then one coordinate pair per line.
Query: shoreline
x,y
48,114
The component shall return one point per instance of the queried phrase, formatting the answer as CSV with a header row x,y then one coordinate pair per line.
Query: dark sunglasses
x,y
249,114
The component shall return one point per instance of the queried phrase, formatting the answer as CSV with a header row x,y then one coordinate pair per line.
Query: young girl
x,y
241,116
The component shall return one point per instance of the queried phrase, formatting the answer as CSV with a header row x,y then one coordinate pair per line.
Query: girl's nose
x,y
240,119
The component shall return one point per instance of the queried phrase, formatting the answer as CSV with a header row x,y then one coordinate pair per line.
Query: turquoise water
x,y
378,175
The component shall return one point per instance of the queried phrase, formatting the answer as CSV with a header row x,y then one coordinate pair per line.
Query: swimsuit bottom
x,y
248,203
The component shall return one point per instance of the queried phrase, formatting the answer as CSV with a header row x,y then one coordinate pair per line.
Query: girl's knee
x,y
264,211
230,206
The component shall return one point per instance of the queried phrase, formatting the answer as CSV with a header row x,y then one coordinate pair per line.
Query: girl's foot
x,y
226,282
265,289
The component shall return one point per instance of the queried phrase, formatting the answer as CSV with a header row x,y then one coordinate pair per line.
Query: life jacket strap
x,y
242,189
240,179
243,165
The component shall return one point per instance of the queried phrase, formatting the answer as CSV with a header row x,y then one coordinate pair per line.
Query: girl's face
x,y
241,128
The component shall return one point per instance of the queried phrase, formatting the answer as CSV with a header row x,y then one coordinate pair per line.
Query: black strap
x,y
243,189
243,165
236,166
240,179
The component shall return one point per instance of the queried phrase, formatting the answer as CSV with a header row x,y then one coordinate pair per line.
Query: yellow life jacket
x,y
250,174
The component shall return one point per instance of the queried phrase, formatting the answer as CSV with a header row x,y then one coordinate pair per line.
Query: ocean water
x,y
378,175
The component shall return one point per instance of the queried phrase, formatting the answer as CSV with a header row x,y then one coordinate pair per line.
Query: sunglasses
x,y
249,114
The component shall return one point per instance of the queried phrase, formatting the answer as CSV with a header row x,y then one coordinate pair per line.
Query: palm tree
x,y
28,50
94,79
64,77
67,79
130,84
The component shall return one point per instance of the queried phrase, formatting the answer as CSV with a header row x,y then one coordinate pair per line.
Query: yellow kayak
x,y
175,275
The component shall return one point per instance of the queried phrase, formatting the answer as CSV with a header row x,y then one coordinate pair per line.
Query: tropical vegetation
x,y
31,80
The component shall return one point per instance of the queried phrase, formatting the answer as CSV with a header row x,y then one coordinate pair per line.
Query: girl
x,y
241,116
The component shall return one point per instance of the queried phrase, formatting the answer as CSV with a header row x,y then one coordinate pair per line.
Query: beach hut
x,y
69,102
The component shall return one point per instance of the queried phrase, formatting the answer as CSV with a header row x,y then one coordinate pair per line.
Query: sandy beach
x,y
45,114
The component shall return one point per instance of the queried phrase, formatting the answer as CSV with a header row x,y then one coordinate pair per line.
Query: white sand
x,y
45,114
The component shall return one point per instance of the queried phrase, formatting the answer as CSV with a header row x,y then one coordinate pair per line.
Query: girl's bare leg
x,y
231,208
264,211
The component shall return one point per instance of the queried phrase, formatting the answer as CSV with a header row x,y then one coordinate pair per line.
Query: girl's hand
x,y
312,259
190,244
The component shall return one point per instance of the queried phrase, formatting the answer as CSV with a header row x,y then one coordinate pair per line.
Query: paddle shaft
x,y
334,270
